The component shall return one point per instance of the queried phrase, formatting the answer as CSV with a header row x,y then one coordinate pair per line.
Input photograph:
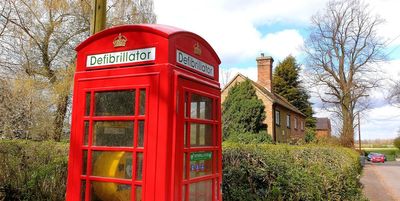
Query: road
x,y
381,181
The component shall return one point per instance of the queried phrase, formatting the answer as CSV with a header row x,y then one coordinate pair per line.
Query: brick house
x,y
323,127
283,121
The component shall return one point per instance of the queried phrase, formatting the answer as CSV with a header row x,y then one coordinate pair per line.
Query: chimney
x,y
264,69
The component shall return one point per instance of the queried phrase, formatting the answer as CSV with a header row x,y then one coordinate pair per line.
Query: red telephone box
x,y
146,120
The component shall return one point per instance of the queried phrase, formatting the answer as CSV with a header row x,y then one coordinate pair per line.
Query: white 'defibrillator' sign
x,y
193,63
122,57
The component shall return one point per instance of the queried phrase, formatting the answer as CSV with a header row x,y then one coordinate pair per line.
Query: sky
x,y
240,30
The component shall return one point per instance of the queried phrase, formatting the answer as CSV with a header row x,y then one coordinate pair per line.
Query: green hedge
x,y
38,170
284,172
33,170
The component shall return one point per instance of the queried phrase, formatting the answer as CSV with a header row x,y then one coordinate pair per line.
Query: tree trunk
x,y
347,137
62,104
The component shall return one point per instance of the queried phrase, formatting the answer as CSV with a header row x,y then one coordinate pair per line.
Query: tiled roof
x,y
277,99
323,124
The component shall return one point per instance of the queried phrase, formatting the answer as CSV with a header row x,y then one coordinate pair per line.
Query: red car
x,y
378,158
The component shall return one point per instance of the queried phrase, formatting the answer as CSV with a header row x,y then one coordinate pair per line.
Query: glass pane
x,y
139,166
86,133
115,103
141,133
142,104
113,133
83,189
138,193
200,164
115,164
87,108
201,191
200,135
201,107
84,161
104,191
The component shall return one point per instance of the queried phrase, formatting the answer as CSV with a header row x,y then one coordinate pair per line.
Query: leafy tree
x,y
341,50
242,111
287,83
37,40
396,142
310,135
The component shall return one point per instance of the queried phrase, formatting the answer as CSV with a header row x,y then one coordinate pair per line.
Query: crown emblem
x,y
120,41
197,49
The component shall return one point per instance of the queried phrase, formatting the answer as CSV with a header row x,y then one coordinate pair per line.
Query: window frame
x,y
188,148
135,150
288,120
277,118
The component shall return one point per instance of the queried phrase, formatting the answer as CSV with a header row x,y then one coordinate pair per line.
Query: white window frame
x,y
288,120
295,123
277,117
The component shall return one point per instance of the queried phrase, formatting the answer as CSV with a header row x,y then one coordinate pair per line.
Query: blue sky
x,y
240,30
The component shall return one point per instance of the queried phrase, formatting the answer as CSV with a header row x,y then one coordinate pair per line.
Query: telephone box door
x,y
199,134
115,131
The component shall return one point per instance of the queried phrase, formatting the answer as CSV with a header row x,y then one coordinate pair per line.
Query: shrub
x,y
33,170
310,135
250,138
242,111
396,142
283,172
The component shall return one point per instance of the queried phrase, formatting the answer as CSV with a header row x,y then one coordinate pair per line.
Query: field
x,y
391,153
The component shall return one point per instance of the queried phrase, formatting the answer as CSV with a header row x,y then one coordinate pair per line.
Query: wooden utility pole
x,y
359,132
99,16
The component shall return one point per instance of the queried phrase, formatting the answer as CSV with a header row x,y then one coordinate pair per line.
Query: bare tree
x,y
38,40
394,94
342,49
225,75
130,12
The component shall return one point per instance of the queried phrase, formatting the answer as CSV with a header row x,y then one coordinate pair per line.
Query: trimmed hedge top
x,y
284,172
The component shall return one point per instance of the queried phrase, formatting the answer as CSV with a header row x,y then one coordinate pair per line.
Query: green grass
x,y
390,153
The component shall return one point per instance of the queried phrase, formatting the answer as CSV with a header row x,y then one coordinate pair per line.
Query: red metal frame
x,y
166,82
186,89
134,150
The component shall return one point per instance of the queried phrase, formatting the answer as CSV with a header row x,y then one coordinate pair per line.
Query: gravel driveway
x,y
381,181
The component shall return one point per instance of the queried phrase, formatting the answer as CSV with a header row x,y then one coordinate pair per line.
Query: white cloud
x,y
283,43
231,26
389,11
382,122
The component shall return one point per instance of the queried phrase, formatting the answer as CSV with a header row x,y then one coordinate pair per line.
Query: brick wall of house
x,y
323,133
268,112
285,134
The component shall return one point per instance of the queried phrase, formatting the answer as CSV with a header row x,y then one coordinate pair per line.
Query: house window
x,y
288,121
277,117
295,122
302,125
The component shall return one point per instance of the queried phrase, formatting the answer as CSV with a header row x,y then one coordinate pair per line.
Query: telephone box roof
x,y
162,30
